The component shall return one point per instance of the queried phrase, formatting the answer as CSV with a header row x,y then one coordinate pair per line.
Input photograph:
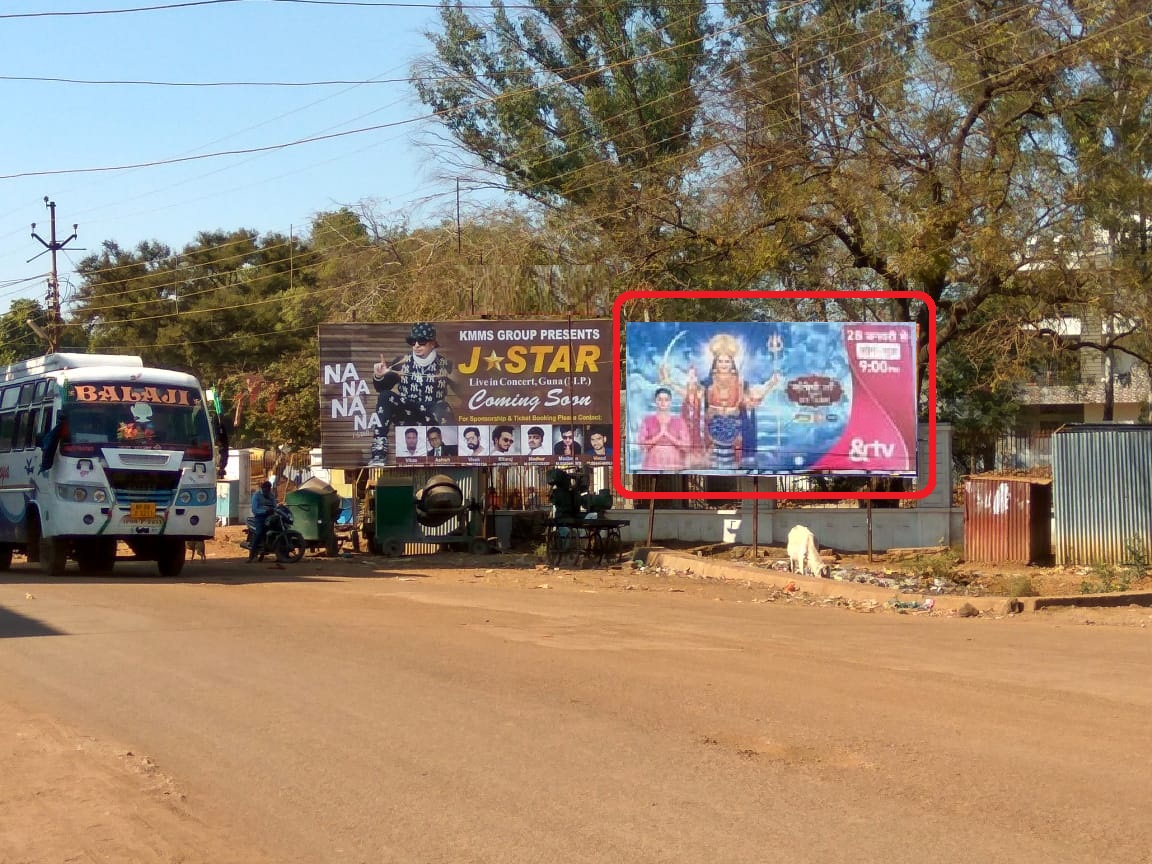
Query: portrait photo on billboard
x,y
411,442
474,441
537,440
770,398
440,442
376,379
503,441
567,441
598,443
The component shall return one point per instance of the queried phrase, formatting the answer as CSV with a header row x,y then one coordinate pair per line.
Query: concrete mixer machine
x,y
436,513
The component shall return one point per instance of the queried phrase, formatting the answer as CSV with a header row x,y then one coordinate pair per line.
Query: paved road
x,y
361,716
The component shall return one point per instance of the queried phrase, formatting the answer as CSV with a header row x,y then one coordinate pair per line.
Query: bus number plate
x,y
142,510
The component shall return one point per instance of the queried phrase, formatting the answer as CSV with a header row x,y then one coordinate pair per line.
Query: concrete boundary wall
x,y
842,528
932,521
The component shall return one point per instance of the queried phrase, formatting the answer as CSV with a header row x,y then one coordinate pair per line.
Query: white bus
x,y
97,449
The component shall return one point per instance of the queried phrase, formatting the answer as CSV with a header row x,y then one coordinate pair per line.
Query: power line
x,y
201,156
146,83
745,166
91,12
382,4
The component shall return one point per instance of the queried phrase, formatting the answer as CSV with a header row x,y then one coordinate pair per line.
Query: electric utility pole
x,y
53,245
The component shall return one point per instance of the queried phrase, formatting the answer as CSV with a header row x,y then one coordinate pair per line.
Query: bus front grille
x,y
156,487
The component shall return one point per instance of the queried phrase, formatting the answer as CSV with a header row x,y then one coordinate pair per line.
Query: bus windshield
x,y
165,418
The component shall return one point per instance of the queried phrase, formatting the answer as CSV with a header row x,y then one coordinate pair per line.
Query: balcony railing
x,y
1056,377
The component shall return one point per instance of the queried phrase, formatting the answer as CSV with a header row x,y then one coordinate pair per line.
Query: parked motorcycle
x,y
280,538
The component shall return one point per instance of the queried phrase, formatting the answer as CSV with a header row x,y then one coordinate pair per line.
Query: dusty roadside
x,y
67,796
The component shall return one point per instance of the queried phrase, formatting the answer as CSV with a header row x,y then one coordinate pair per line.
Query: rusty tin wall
x,y
1007,519
1102,485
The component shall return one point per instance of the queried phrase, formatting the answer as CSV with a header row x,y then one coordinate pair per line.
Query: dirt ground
x,y
911,566
951,574
108,804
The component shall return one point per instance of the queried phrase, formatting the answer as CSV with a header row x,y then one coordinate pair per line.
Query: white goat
x,y
803,555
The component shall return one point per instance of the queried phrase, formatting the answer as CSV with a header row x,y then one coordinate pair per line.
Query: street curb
x,y
734,571
1119,598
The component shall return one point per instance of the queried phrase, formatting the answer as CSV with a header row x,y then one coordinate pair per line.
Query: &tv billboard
x,y
466,393
772,398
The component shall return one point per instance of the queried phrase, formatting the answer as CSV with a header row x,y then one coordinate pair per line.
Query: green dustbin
x,y
315,506
394,516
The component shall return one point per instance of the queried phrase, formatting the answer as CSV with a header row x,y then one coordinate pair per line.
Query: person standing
x,y
664,439
263,505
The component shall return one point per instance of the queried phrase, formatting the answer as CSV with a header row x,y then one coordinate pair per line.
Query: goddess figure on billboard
x,y
729,404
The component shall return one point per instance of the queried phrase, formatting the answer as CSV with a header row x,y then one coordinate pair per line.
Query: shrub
x,y
1020,586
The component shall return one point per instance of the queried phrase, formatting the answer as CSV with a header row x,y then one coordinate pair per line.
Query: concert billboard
x,y
466,393
770,398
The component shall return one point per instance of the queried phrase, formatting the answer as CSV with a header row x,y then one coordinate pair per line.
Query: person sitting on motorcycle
x,y
263,505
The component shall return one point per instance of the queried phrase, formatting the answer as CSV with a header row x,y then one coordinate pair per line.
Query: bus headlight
x,y
79,493
198,497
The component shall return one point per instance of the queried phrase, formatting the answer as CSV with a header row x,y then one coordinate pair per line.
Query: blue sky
x,y
53,127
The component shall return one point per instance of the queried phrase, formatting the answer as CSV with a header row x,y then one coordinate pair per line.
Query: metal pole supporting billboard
x,y
755,520
651,511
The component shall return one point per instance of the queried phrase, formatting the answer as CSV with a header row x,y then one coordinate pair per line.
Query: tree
x,y
1107,134
920,156
123,295
589,107
18,339
230,304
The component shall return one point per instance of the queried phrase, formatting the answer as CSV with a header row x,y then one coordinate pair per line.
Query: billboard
x,y
748,398
466,393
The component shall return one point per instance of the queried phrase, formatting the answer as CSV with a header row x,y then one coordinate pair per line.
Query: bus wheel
x,y
5,557
32,544
53,555
96,556
170,558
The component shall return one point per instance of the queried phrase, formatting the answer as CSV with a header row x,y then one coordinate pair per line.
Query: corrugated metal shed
x,y
1102,488
1008,519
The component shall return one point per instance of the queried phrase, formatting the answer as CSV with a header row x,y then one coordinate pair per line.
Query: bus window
x,y
26,391
7,427
17,439
89,427
11,395
31,427
46,420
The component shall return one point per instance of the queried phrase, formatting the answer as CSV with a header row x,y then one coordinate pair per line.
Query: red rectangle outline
x,y
617,458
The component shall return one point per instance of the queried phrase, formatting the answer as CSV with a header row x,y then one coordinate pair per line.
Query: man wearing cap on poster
x,y
412,390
